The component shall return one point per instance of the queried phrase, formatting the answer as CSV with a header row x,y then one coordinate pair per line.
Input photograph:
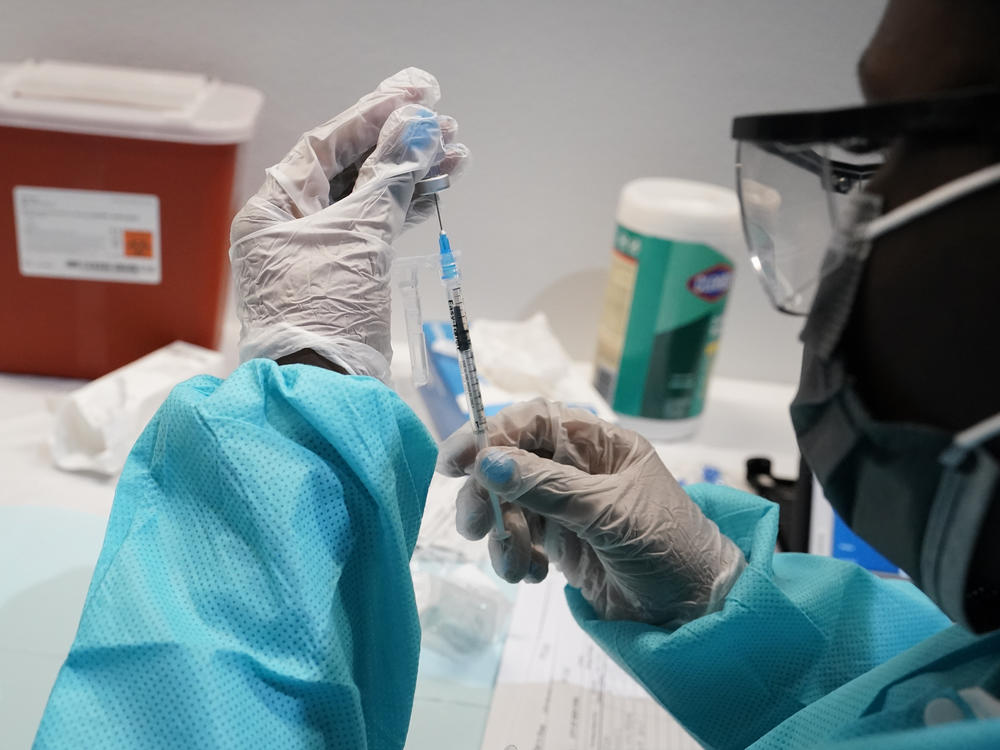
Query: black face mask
x,y
917,493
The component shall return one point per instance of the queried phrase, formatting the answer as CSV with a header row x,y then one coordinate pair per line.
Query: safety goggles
x,y
797,172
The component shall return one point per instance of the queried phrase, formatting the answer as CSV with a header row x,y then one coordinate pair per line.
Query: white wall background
x,y
561,103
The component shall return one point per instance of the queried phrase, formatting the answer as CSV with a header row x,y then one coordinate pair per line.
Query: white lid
x,y
126,102
681,210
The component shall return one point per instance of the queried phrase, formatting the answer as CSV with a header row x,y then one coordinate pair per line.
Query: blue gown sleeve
x,y
253,589
793,628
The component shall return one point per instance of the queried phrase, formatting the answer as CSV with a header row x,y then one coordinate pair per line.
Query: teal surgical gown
x,y
254,591
810,652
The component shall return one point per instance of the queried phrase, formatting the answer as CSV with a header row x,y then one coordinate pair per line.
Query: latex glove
x,y
314,275
595,500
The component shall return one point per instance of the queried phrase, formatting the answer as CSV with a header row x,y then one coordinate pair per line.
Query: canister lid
x,y
681,210
126,102
432,185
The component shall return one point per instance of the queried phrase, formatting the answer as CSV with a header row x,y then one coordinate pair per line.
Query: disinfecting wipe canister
x,y
667,288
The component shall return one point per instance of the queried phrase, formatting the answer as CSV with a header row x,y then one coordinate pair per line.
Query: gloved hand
x,y
596,500
311,275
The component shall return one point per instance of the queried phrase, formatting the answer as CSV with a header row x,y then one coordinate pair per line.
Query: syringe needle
x,y
437,207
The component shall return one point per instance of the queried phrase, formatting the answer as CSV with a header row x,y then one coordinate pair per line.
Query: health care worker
x,y
897,413
254,590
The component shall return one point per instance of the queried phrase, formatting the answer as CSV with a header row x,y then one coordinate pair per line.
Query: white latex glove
x,y
596,500
311,275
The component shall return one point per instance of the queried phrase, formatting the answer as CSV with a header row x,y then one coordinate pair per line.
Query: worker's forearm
x,y
309,357
777,637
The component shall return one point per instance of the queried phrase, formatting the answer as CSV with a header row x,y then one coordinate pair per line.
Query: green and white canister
x,y
666,292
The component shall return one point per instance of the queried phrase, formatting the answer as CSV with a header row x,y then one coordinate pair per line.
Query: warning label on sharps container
x,y
88,234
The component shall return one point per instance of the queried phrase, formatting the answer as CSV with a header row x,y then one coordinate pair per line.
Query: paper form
x,y
557,690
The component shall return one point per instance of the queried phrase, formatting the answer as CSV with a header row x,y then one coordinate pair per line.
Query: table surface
x,y
52,526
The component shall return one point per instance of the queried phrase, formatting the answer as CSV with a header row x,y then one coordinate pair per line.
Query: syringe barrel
x,y
467,362
470,379
459,321
482,441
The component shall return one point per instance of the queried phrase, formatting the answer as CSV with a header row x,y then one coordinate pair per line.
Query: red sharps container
x,y
116,195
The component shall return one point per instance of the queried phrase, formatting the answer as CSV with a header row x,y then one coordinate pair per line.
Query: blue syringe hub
x,y
448,268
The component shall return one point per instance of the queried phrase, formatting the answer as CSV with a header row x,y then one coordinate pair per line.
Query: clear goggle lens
x,y
793,197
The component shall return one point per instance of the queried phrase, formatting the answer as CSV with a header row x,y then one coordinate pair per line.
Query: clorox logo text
x,y
712,283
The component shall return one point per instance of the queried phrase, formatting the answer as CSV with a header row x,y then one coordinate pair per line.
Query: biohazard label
x,y
88,234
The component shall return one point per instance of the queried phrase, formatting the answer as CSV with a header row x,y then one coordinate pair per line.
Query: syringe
x,y
452,280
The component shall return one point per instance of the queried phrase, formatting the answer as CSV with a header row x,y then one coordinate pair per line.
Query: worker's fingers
x,y
454,163
562,546
512,557
591,577
571,562
343,183
473,511
538,566
304,174
574,558
598,447
474,520
457,454
561,493
409,145
575,437
449,128
397,139
362,202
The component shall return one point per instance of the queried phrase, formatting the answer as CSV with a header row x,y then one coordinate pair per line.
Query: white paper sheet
x,y
557,690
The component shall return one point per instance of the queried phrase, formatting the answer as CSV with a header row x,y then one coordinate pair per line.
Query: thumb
x,y
557,491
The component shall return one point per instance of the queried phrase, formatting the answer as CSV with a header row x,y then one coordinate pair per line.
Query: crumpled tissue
x,y
96,425
526,360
